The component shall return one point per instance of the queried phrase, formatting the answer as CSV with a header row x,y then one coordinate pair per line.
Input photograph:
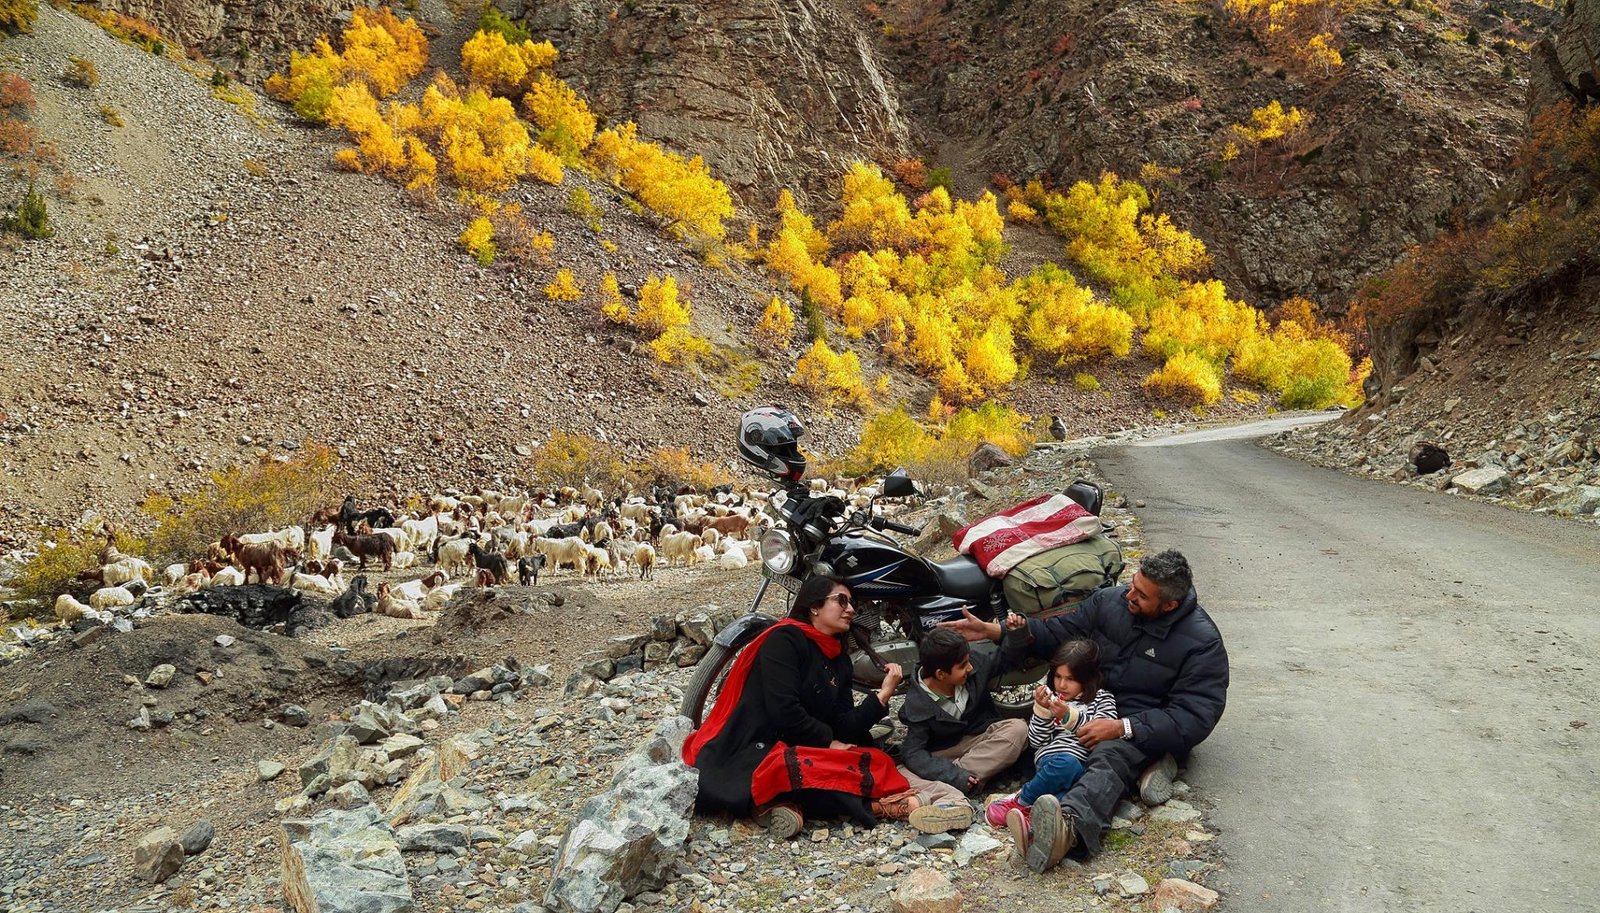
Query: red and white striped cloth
x,y
1000,542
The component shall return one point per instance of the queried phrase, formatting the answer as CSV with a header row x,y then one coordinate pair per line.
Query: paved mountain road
x,y
1409,673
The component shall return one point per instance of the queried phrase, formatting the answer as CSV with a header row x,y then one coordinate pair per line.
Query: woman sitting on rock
x,y
784,740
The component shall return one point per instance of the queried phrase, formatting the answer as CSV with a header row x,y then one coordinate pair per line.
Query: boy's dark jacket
x,y
930,729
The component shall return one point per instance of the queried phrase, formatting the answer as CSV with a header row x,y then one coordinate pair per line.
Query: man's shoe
x,y
998,811
1017,824
781,819
1155,784
897,807
940,819
1052,835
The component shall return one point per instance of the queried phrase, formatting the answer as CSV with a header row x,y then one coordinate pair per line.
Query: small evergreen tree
x,y
32,217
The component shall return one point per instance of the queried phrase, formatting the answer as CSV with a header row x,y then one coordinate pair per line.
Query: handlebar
x,y
890,525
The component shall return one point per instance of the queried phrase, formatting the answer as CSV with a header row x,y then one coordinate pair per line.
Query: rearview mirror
x,y
898,485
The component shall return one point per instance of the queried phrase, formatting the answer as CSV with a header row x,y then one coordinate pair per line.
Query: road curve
x,y
1414,717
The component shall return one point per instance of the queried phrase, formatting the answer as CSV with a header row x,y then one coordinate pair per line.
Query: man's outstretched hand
x,y
973,628
1094,732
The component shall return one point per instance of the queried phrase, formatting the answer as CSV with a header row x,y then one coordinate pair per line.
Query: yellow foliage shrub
x,y
660,309
504,68
612,307
775,331
1186,377
990,363
1021,212
566,125
1065,321
675,468
579,459
678,345
889,439
478,135
680,190
378,50
478,240
830,376
61,554
273,493
564,288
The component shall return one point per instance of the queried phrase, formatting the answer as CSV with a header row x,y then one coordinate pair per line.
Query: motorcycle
x,y
899,596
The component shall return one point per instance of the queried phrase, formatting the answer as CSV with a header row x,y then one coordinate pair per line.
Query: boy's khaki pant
x,y
984,754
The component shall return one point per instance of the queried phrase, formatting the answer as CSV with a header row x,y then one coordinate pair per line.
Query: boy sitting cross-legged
x,y
954,734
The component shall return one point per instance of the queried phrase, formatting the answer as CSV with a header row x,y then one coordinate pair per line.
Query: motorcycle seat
x,y
962,578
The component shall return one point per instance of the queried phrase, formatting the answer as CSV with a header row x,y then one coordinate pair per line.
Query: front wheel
x,y
1013,691
707,681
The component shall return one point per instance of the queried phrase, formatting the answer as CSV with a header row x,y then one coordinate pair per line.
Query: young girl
x,y
1073,697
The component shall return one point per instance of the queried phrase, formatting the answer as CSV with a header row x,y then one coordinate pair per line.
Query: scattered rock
x,y
1186,896
196,837
925,891
431,838
294,715
269,770
160,676
1132,884
158,855
986,457
226,640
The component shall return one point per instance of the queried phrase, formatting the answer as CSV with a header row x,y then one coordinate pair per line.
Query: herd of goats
x,y
480,539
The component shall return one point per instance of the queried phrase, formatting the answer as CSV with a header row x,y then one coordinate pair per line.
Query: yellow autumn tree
x,y
680,190
834,377
496,65
378,50
660,309
566,125
478,240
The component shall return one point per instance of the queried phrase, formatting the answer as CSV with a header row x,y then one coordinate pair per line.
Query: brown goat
x,y
734,525
265,560
364,547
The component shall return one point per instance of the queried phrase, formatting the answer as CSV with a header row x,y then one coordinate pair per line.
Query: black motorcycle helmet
x,y
767,441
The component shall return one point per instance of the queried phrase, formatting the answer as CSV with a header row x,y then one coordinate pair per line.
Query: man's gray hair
x,y
1169,571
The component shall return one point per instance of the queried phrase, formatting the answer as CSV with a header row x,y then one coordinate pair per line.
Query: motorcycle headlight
x,y
778,551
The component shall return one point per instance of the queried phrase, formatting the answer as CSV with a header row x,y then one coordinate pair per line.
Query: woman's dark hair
x,y
813,592
940,651
1082,659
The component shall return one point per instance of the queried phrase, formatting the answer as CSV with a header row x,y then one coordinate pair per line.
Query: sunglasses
x,y
842,598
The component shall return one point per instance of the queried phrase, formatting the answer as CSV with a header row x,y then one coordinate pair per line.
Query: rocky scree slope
x,y
218,291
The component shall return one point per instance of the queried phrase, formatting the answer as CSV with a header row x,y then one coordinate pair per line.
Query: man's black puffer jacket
x,y
1169,674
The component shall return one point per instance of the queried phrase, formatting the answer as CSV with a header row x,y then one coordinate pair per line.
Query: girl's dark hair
x,y
813,591
1082,659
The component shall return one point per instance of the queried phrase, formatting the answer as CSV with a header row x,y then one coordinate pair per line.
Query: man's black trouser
x,y
1113,769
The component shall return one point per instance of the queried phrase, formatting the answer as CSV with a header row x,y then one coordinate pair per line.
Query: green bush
x,y
495,21
32,217
18,15
1309,393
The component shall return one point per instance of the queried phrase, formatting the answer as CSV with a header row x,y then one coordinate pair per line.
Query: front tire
x,y
707,681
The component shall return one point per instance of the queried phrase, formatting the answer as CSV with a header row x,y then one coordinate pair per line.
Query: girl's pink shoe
x,y
999,808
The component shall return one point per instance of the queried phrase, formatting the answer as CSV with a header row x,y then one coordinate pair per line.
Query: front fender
x,y
742,629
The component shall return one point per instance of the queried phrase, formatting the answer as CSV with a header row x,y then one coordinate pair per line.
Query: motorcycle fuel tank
x,y
876,569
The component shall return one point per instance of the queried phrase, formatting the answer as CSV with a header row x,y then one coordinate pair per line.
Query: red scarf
x,y
860,771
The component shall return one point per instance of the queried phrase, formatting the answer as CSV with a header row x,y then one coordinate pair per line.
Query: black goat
x,y
491,562
528,569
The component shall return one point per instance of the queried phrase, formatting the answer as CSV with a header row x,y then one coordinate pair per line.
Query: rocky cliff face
x,y
1418,123
254,36
773,93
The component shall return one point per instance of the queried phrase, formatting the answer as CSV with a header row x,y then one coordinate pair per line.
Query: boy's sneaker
x,y
897,807
1052,835
1155,784
940,819
998,810
1017,824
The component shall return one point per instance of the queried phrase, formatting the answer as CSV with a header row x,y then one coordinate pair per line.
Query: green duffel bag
x,y
1055,581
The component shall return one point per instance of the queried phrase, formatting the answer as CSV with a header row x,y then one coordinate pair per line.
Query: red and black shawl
x,y
747,758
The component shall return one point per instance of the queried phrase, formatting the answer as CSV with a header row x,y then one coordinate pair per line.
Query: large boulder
x,y
343,862
1486,480
626,840
158,855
